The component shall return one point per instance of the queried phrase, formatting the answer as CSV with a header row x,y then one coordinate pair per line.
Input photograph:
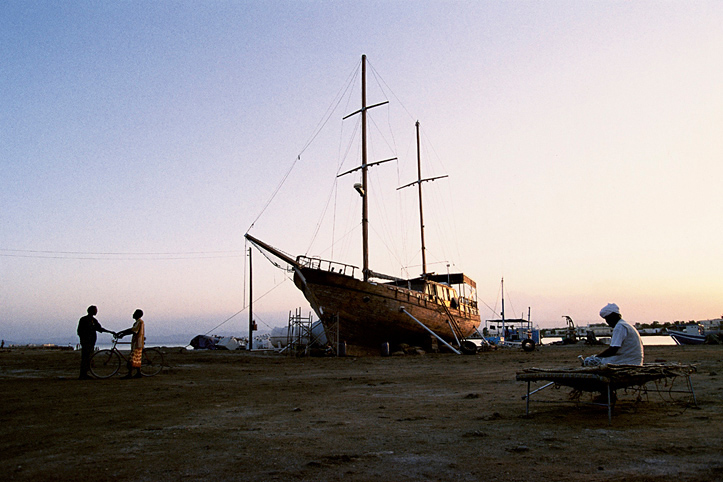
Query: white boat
x,y
230,343
282,335
692,335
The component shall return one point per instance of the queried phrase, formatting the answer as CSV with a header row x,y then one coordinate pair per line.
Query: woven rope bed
x,y
605,379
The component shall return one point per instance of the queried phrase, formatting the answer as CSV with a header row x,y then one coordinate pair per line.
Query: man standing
x,y
87,328
626,347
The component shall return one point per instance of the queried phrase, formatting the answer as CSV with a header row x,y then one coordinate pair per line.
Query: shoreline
x,y
664,340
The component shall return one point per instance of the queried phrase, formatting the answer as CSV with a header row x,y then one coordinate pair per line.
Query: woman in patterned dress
x,y
138,331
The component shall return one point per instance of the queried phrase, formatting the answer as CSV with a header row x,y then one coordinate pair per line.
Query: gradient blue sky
x,y
140,140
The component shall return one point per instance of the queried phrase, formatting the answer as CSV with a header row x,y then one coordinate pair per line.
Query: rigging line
x,y
382,84
443,200
334,242
258,318
392,145
276,191
333,218
340,162
244,308
388,228
332,108
278,265
335,103
333,188
342,155
349,145
489,307
341,238
389,250
321,219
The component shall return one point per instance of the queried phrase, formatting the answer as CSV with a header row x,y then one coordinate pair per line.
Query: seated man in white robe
x,y
626,347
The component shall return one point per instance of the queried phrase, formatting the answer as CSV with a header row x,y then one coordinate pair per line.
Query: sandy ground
x,y
240,416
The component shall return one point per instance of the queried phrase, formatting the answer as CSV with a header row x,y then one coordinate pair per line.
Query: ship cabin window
x,y
429,290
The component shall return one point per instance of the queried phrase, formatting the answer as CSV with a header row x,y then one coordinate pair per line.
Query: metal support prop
x,y
404,310
535,391
690,386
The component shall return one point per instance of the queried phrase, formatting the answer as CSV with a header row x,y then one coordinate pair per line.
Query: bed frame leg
x,y
610,406
690,387
527,399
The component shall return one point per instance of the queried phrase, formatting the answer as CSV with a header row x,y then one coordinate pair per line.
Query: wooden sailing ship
x,y
367,311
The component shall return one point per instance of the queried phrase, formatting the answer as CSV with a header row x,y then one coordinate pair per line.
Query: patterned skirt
x,y
136,357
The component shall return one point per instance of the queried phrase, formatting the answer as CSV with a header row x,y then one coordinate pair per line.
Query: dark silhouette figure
x,y
87,328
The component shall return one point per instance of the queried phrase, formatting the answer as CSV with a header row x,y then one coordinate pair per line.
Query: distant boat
x,y
205,342
512,331
365,315
693,335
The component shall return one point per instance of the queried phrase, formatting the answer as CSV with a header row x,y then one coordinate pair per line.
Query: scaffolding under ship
x,y
364,315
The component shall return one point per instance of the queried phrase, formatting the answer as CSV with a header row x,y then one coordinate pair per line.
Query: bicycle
x,y
106,363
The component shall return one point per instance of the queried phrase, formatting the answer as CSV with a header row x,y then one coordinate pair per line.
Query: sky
x,y
140,141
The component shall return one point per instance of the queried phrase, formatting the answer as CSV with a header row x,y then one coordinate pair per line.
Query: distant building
x,y
712,325
600,329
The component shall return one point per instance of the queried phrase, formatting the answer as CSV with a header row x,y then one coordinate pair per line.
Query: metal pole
x,y
535,391
251,305
403,310
690,386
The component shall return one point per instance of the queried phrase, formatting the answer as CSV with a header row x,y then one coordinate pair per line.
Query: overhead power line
x,y
118,256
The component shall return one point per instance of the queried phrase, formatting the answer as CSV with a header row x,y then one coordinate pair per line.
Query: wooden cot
x,y
606,379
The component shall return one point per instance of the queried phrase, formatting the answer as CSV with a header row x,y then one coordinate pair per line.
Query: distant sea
x,y
648,340
106,341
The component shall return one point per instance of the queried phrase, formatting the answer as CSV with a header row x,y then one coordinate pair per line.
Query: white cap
x,y
609,309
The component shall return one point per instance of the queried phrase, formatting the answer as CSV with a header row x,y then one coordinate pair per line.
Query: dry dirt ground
x,y
241,416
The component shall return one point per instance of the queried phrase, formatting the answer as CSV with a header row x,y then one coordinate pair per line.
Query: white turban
x,y
610,308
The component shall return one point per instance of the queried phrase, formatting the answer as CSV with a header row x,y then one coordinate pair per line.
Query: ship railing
x,y
325,265
464,305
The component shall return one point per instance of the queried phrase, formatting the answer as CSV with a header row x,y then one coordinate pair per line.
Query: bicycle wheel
x,y
105,363
152,362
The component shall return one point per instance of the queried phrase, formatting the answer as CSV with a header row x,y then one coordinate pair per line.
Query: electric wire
x,y
117,256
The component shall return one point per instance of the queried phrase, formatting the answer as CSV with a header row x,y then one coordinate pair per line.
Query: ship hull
x,y
366,315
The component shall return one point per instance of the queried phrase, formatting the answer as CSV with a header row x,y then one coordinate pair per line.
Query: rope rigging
x,y
320,126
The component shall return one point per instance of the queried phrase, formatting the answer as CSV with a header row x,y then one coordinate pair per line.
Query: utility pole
x,y
251,305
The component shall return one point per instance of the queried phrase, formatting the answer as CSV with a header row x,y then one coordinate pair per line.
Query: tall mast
x,y
365,203
503,304
421,210
419,182
362,188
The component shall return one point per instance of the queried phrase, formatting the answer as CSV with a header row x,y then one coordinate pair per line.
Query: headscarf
x,y
609,309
